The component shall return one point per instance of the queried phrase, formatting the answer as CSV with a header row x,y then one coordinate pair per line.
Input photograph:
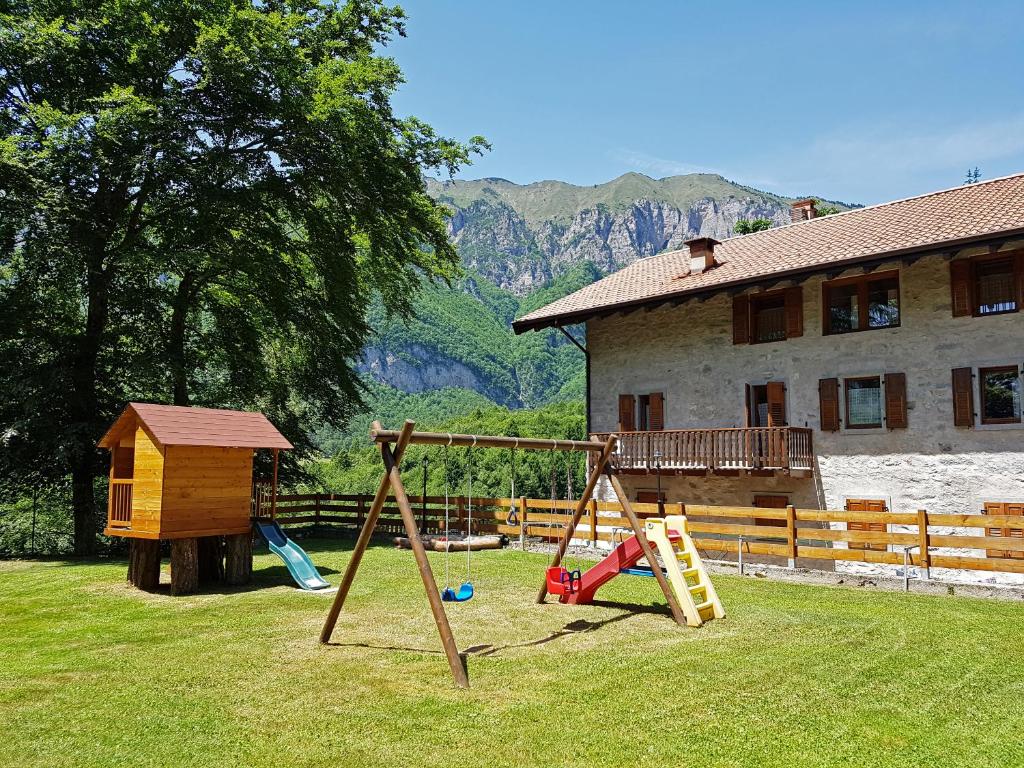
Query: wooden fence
x,y
918,538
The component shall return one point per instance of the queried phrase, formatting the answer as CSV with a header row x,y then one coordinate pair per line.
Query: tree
x,y
198,200
748,226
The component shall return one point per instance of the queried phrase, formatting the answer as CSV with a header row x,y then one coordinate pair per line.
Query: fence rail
x,y
752,448
965,542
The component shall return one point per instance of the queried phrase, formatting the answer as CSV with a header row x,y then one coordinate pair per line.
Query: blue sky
x,y
861,102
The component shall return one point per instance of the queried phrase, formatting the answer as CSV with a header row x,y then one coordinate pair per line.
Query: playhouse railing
x,y
119,503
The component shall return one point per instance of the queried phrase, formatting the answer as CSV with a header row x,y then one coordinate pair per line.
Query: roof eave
x,y
581,315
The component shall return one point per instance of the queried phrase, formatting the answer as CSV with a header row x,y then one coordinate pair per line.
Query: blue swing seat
x,y
465,593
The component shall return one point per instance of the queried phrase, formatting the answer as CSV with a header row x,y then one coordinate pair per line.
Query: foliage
x,y
198,201
96,674
749,226
822,209
356,468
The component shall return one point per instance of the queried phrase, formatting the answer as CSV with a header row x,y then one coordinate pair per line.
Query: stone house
x,y
869,360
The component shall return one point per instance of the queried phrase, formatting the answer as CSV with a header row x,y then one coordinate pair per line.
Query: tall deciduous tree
x,y
197,200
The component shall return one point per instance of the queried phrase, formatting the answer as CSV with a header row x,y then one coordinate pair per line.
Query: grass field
x,y
95,673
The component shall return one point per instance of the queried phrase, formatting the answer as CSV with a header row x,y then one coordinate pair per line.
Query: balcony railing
x,y
753,448
119,503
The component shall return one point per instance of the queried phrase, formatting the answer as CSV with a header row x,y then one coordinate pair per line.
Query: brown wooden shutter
x,y
776,404
794,312
896,400
1001,508
627,413
963,397
740,320
1020,280
828,398
866,505
960,278
656,419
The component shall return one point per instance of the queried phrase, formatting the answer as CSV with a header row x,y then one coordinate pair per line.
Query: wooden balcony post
x,y
791,534
922,533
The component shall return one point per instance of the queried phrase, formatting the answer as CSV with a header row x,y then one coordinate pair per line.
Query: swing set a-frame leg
x,y
581,507
393,480
364,535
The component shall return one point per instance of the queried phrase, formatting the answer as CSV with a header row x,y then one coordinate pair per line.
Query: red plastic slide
x,y
581,591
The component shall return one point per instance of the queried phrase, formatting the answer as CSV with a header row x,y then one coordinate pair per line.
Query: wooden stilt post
x,y
365,534
451,650
581,506
638,530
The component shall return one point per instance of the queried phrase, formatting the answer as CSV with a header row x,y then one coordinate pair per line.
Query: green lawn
x,y
95,673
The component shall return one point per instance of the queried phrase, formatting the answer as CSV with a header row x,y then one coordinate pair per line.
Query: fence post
x,y
791,534
922,537
522,522
316,515
593,522
359,511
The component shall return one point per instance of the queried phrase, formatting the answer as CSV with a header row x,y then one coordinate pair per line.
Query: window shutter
x,y
656,420
896,400
960,273
740,320
1000,508
866,505
794,312
828,398
776,391
627,413
1020,280
963,397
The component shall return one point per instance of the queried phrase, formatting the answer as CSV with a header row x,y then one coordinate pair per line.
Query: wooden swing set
x,y
392,447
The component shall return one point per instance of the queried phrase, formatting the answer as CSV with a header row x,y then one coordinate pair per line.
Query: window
x,y
864,402
987,285
769,318
862,303
994,287
644,413
764,317
1000,395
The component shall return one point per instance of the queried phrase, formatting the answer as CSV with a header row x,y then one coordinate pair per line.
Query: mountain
x,y
523,246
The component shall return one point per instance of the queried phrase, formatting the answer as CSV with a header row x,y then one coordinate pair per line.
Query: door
x,y
766,407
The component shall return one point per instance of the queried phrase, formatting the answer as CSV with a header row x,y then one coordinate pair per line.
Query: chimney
x,y
802,210
702,254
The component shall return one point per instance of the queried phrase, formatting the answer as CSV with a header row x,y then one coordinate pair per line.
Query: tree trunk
x,y
184,566
176,337
211,559
144,563
83,505
238,563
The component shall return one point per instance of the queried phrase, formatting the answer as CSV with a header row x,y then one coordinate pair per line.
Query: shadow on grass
x,y
576,627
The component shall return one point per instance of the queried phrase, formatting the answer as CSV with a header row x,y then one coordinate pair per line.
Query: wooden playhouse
x,y
185,475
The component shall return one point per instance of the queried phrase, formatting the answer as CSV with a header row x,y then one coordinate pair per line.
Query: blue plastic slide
x,y
298,563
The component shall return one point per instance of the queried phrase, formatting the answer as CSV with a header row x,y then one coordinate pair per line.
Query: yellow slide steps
x,y
686,573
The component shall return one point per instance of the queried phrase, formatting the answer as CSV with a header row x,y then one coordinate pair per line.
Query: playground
x,y
97,673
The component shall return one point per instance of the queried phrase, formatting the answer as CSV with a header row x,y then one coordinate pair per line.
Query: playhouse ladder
x,y
685,570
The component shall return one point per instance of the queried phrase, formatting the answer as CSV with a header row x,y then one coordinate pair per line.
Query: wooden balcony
x,y
759,450
119,503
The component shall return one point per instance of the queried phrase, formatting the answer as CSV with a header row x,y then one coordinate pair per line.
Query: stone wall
x,y
686,352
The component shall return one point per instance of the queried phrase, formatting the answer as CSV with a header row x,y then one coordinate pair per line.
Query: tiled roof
x,y
176,425
951,216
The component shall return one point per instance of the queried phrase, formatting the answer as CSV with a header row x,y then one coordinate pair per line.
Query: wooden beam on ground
x,y
638,530
451,650
607,449
365,534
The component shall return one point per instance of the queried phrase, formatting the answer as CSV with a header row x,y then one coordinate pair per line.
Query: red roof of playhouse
x,y
916,224
177,425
